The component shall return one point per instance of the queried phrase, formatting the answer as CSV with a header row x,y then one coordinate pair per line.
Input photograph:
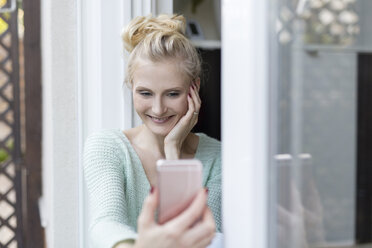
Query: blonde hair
x,y
158,39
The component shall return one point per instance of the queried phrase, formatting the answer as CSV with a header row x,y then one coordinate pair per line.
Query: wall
x,y
59,205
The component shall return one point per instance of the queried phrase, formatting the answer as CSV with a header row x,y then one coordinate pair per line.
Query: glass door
x,y
322,137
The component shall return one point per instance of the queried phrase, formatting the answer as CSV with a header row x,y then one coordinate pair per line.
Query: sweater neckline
x,y
197,155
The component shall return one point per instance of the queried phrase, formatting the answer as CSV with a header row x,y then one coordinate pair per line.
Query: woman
x,y
163,72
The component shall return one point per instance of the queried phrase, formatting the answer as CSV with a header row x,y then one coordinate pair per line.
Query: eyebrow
x,y
141,88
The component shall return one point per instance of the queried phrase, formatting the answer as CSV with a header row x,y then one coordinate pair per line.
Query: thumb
x,y
147,216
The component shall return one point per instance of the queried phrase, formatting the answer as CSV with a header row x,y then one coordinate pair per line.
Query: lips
x,y
159,120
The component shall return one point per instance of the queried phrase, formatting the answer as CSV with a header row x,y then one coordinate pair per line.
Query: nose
x,y
158,106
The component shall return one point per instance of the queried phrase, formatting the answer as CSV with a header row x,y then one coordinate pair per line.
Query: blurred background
x,y
61,74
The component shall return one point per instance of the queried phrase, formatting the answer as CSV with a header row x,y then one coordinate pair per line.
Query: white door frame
x,y
245,102
245,111
100,62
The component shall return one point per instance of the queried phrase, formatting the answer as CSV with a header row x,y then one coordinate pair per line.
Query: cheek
x,y
139,104
181,105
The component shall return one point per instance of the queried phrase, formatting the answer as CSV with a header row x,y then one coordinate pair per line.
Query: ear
x,y
197,82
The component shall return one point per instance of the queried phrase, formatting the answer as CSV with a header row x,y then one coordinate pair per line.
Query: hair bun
x,y
142,26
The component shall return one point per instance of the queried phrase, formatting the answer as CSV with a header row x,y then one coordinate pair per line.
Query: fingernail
x,y
206,190
192,86
152,190
189,95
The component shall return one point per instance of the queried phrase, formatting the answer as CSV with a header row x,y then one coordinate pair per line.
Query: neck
x,y
149,141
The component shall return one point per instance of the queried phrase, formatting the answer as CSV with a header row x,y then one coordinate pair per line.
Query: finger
x,y
195,113
198,93
191,110
188,217
296,199
189,118
283,216
196,100
205,242
197,83
147,216
195,94
205,229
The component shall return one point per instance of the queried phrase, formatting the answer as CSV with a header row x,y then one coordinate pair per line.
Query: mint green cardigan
x,y
117,184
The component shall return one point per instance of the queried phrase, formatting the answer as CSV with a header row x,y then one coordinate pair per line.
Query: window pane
x,y
320,193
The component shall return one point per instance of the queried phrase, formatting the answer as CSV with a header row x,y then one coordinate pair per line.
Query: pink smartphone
x,y
178,183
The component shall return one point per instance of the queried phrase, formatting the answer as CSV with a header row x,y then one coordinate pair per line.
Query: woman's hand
x,y
174,140
195,227
291,230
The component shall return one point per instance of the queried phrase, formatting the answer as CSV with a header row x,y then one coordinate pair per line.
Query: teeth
x,y
160,119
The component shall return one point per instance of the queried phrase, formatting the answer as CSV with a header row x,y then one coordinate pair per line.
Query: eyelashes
x,y
145,93
172,94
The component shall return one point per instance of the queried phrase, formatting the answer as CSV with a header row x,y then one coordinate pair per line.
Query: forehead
x,y
162,74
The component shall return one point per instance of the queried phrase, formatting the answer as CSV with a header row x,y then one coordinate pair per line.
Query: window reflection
x,y
320,194
330,21
299,208
326,22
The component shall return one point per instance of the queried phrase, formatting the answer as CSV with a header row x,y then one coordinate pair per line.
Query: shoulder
x,y
106,142
208,144
104,135
209,154
102,138
209,150
105,153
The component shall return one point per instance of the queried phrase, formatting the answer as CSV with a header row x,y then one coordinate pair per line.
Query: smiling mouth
x,y
160,120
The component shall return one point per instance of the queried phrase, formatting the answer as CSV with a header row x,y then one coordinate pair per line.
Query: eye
x,y
144,93
173,94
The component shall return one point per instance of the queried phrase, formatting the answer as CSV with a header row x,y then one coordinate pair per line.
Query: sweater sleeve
x,y
214,193
104,178
213,181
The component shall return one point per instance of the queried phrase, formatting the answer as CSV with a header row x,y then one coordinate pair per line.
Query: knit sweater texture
x,y
117,184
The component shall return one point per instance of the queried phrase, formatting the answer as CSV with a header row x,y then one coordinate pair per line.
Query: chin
x,y
159,131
